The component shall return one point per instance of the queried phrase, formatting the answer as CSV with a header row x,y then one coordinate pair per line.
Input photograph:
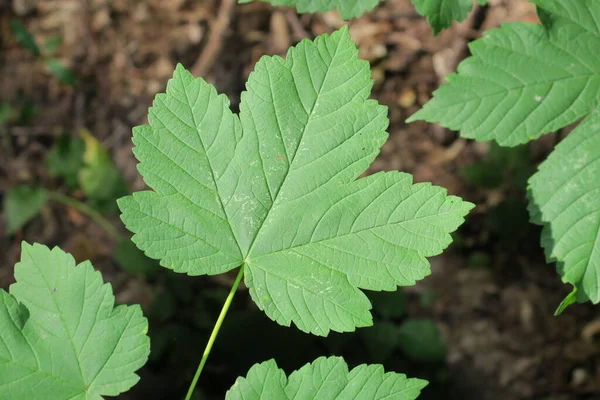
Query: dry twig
x,y
215,39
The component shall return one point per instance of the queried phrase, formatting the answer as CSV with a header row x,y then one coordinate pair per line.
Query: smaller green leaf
x,y
65,159
422,340
324,379
132,260
61,336
52,44
100,179
24,37
58,69
22,204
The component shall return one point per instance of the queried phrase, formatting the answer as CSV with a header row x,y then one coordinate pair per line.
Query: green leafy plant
x,y
60,334
440,14
524,80
274,191
82,163
324,378
26,39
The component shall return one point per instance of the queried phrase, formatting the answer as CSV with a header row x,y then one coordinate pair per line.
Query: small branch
x,y
215,332
215,39
89,211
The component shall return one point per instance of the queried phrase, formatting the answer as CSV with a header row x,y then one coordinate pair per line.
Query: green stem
x,y
89,211
215,332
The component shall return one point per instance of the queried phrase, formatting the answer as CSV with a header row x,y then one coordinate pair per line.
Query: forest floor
x,y
492,294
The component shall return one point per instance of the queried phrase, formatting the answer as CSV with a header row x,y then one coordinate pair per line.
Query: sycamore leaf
x,y
324,379
564,197
60,335
442,13
524,80
276,189
22,204
348,8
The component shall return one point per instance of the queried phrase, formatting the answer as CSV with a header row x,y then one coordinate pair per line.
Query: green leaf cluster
x,y
524,80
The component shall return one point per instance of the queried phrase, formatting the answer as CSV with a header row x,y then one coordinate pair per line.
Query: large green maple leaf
x,y
60,335
324,379
276,189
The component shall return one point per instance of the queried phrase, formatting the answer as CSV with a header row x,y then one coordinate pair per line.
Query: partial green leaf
x,y
441,14
324,378
422,340
59,70
24,37
348,8
571,298
60,335
100,179
276,189
65,159
21,205
563,197
524,80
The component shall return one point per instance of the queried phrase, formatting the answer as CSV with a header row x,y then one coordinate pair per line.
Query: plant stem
x,y
89,211
215,332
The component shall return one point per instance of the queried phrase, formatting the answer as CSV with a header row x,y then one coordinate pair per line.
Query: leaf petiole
x,y
215,332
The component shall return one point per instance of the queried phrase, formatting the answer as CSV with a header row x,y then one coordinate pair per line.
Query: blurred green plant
x,y
55,67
